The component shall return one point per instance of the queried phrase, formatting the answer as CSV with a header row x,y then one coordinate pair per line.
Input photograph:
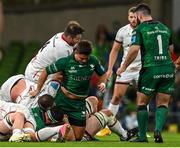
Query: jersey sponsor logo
x,y
163,76
160,58
72,70
133,39
81,78
92,66
148,89
102,68
156,27
157,31
82,65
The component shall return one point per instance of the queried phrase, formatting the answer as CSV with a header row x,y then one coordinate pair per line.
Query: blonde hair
x,y
132,9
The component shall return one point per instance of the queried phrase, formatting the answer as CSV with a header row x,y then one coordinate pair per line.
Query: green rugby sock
x,y
142,117
161,115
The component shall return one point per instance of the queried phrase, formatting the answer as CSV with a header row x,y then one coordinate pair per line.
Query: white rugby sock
x,y
17,131
118,129
113,108
47,132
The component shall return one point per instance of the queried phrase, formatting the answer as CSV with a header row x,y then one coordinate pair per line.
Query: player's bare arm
x,y
177,62
132,54
41,80
102,81
171,48
112,57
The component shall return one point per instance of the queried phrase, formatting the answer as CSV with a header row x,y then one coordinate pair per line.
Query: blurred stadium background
x,y
26,24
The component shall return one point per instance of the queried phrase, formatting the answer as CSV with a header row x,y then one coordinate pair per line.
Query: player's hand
x,y
177,66
177,63
58,76
120,70
109,73
34,93
102,87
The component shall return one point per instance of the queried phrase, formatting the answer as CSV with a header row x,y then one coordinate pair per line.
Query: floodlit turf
x,y
170,140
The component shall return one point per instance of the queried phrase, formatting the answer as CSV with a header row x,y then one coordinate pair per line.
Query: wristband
x,y
102,83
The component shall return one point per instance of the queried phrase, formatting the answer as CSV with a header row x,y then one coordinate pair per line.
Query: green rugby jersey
x,y
47,118
154,39
76,76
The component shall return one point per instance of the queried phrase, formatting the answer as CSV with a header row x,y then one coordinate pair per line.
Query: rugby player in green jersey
x,y
157,75
77,71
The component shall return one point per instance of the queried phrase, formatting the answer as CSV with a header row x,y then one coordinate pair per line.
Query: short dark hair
x,y
73,28
46,102
132,9
57,113
83,47
144,8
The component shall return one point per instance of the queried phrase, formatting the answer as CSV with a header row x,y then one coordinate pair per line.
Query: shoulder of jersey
x,y
124,28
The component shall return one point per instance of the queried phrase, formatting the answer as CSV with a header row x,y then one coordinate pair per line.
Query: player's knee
x,y
107,112
111,119
91,105
116,99
105,117
23,111
19,114
163,102
102,118
141,102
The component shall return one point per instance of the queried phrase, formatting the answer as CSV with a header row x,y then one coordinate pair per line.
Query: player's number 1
x,y
159,38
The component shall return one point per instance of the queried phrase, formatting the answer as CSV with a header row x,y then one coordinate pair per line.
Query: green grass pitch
x,y
170,140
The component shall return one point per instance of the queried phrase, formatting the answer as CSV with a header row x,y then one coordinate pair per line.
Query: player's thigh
x,y
142,99
162,99
91,105
78,131
4,127
77,120
146,83
119,90
167,84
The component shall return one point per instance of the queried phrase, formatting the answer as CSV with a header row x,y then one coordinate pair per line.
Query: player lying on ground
x,y
13,118
98,120
17,124
16,89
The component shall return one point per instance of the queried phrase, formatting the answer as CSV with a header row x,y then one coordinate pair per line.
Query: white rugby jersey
x,y
24,98
124,36
8,107
52,50
7,86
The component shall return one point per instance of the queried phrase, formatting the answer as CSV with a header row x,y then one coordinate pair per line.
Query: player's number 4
x,y
159,38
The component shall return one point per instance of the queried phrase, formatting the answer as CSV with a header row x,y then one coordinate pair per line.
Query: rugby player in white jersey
x,y
13,118
16,89
59,46
123,38
18,124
